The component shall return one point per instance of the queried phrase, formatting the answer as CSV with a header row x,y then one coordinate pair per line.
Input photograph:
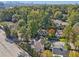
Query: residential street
x,y
8,49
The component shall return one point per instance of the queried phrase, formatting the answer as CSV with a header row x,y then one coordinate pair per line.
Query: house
x,y
58,49
57,22
58,44
42,32
59,33
51,30
37,45
60,52
64,23
60,24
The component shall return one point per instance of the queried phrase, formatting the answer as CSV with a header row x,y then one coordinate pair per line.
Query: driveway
x,y
10,49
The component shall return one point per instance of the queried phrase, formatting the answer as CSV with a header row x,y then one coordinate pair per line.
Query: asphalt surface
x,y
8,49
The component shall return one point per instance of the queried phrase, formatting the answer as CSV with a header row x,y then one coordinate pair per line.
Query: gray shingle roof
x,y
59,51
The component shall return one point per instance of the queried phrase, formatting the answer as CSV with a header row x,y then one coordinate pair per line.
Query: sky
x,y
39,0
48,1
54,2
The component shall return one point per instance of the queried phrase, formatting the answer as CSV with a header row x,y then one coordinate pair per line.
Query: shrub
x,y
63,40
47,53
73,54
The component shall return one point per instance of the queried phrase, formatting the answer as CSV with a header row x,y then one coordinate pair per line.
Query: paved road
x,y
8,49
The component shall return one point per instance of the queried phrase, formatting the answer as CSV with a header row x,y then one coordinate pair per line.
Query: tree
x,y
30,50
73,54
47,45
73,18
14,33
67,30
23,11
15,17
47,53
21,28
77,44
1,16
34,21
71,8
22,31
46,23
51,33
65,16
63,40
58,15
70,30
21,23
7,30
6,14
32,28
75,28
67,46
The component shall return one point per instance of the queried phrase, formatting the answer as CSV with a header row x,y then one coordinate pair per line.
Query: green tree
x,y
47,53
14,33
73,18
47,45
6,14
63,40
21,23
67,46
7,30
67,31
77,44
75,39
16,17
34,22
46,23
75,28
58,15
73,54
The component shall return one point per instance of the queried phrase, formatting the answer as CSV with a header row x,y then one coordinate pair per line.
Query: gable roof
x,y
38,45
